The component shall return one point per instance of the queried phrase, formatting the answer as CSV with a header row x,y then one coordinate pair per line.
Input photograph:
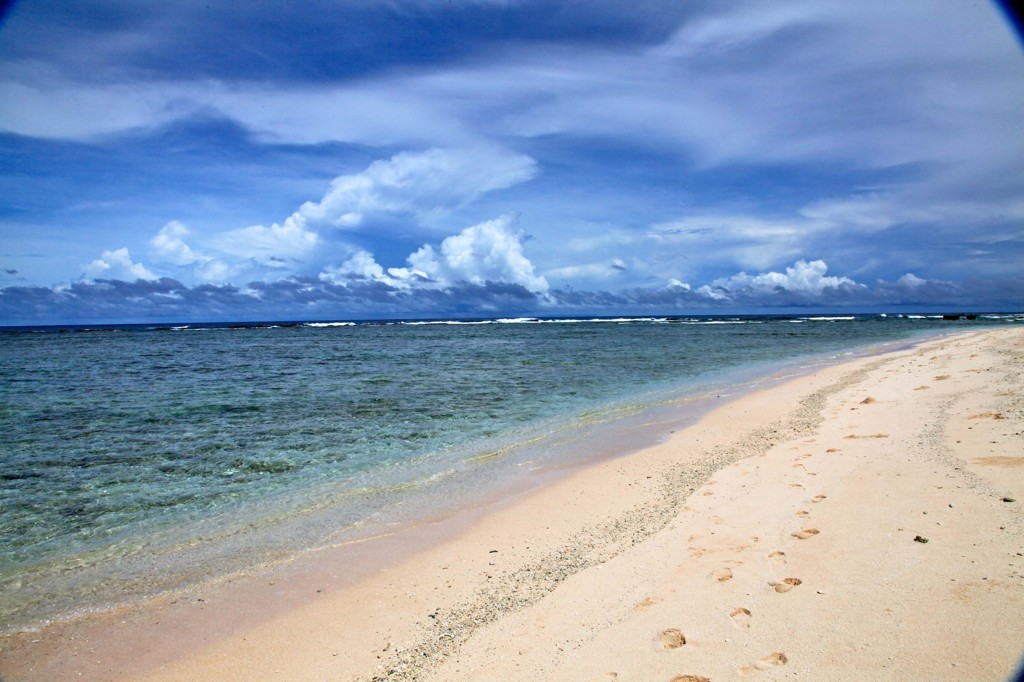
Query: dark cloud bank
x,y
299,298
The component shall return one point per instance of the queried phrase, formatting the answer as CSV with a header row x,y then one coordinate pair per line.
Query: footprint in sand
x,y
922,388
722,574
1000,461
833,450
689,678
942,377
670,638
772,660
873,435
785,585
803,514
867,401
795,485
740,618
805,533
747,545
818,498
776,555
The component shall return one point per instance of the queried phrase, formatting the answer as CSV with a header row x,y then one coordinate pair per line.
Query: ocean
x,y
136,459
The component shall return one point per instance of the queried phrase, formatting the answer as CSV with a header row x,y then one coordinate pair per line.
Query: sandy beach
x,y
863,521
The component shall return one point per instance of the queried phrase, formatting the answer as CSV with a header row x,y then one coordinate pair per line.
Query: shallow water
x,y
135,460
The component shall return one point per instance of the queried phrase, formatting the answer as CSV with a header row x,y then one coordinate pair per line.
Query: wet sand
x,y
861,522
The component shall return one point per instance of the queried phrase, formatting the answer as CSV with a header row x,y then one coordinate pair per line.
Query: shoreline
x,y
438,607
256,538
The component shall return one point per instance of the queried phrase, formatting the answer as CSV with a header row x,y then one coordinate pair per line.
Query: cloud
x,y
910,289
117,265
359,266
424,184
674,283
747,241
292,239
870,230
835,80
487,253
911,281
801,281
361,289
297,298
804,285
28,95
592,272
874,212
169,245
750,136
864,84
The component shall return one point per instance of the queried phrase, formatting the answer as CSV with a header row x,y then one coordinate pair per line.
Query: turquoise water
x,y
137,458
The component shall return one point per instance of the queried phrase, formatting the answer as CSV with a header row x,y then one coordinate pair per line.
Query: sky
x,y
355,159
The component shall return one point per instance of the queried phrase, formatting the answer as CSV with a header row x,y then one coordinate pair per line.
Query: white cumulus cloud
x,y
169,245
491,251
117,265
487,252
363,266
803,279
424,184
911,280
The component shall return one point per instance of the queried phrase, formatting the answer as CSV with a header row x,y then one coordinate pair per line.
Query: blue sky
x,y
205,160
